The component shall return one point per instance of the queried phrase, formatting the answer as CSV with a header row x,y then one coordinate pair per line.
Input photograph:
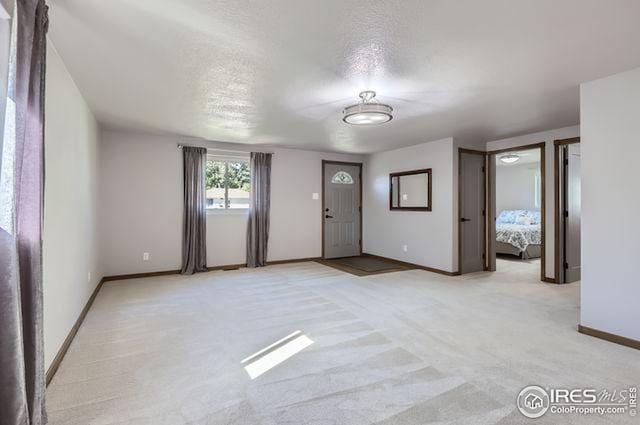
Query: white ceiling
x,y
280,72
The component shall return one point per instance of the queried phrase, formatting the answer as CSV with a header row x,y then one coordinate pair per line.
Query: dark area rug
x,y
364,265
367,264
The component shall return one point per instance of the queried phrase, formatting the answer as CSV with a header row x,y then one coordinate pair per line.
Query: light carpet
x,y
409,347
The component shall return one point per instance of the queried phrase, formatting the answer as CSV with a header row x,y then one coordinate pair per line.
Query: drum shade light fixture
x,y
368,111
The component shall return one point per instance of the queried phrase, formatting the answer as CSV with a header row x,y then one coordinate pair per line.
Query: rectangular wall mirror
x,y
410,190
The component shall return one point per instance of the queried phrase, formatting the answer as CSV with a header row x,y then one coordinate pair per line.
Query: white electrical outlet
x,y
145,256
405,248
315,196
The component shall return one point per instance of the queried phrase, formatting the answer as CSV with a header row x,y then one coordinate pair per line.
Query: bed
x,y
518,232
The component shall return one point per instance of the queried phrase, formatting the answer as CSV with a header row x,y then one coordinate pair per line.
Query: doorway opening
x,y
341,209
567,215
517,210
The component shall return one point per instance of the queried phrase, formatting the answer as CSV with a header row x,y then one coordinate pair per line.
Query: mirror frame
x,y
426,171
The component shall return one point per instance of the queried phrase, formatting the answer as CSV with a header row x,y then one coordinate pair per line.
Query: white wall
x,y
141,204
548,137
610,293
516,187
6,8
70,205
5,37
428,235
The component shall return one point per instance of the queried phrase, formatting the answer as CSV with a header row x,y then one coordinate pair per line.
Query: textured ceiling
x,y
280,72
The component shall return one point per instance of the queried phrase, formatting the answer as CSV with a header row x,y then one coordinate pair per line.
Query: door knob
x,y
465,219
328,216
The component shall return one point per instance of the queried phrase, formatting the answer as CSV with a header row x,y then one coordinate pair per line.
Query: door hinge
x,y
360,241
483,213
566,214
483,256
566,162
566,266
360,209
483,168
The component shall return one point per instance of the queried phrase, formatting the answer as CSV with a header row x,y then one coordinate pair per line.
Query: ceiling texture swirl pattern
x,y
281,72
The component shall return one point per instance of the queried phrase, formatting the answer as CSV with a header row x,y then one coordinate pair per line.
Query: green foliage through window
x,y
227,183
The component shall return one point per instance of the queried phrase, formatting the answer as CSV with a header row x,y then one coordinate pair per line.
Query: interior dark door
x,y
472,206
342,210
572,200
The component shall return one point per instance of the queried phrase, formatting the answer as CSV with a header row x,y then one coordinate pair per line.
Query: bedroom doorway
x,y
516,236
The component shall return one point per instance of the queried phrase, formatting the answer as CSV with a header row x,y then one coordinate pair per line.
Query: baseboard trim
x,y
293,260
211,269
412,265
225,267
616,339
55,364
140,275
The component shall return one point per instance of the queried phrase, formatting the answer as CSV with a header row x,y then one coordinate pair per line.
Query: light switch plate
x,y
315,196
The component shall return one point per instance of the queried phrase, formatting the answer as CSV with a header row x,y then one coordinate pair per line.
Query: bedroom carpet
x,y
408,347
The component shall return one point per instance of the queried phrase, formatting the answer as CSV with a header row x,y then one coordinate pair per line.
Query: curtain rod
x,y
181,145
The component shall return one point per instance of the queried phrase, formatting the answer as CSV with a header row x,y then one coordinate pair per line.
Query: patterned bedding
x,y
519,228
519,235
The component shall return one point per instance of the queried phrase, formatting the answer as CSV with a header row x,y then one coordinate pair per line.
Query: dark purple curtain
x,y
259,207
194,222
22,377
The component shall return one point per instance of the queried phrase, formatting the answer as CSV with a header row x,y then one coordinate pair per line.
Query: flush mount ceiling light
x,y
510,158
368,111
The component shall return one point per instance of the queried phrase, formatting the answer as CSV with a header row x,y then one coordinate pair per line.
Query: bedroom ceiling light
x,y
368,111
510,158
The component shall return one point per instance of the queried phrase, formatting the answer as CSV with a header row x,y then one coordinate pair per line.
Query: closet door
x,y
472,212
572,212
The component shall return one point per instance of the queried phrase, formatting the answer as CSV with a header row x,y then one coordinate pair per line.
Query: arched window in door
x,y
342,177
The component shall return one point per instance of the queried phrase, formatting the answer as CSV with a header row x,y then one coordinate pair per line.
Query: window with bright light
x,y
227,183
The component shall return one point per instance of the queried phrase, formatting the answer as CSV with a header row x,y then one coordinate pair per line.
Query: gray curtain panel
x,y
22,377
258,226
194,229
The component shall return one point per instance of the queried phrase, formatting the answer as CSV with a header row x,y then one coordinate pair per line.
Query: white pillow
x,y
524,220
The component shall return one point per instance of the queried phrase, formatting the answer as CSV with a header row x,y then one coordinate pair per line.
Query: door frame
x,y
559,251
543,204
322,212
486,221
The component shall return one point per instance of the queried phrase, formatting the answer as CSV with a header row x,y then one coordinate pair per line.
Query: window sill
x,y
232,211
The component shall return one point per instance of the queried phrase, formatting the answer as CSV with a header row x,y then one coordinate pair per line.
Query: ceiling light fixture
x,y
510,158
368,111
